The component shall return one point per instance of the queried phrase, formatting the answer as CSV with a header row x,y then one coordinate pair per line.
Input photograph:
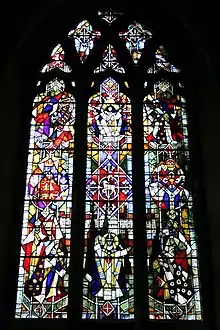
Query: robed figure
x,y
107,272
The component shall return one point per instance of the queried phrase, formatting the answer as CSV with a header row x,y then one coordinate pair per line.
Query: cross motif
x,y
176,311
107,308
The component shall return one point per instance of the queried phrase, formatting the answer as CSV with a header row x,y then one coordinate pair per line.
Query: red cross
x,y
107,308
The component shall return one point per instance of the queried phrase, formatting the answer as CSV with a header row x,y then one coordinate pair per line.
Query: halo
x,y
115,239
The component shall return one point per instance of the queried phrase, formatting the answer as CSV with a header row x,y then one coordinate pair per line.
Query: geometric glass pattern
x,y
109,61
57,57
136,38
43,280
108,259
161,62
84,37
171,240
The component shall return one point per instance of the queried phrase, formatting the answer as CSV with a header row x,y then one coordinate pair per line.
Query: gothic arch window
x,y
109,146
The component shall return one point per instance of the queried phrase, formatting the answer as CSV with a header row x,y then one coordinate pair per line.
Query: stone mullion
x,y
78,202
140,257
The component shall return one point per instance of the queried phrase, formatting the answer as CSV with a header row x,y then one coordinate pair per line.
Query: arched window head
x,y
122,61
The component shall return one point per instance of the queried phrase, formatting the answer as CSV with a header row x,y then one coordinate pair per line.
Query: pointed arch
x,y
109,233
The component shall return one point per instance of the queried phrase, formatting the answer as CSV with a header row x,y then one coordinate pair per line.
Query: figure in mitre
x,y
48,183
109,258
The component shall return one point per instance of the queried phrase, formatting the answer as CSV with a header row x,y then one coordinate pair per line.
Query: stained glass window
x,y
46,231
171,240
109,252
108,283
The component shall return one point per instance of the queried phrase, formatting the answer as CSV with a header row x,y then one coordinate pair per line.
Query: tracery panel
x,y
46,230
136,39
84,37
57,61
109,16
108,260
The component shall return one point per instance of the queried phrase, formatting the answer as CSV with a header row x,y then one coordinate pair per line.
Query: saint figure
x,y
109,259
